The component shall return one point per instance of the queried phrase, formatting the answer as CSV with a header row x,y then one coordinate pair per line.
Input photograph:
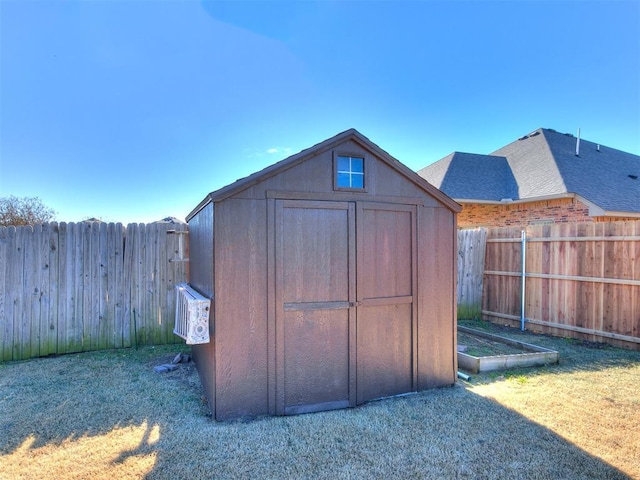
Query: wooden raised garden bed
x,y
482,352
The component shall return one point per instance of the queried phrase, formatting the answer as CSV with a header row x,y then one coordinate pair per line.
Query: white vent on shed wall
x,y
192,315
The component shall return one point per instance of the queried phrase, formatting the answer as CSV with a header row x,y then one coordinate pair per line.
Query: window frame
x,y
336,187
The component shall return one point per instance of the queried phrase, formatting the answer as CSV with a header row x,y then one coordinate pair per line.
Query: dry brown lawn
x,y
107,415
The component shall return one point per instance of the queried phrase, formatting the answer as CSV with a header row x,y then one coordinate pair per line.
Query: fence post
x,y
523,294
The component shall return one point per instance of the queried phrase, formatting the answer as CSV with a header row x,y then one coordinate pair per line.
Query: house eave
x,y
516,201
609,213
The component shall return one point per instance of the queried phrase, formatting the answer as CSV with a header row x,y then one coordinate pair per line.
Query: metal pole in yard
x,y
524,274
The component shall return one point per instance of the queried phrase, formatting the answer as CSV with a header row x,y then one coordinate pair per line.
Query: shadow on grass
x,y
150,425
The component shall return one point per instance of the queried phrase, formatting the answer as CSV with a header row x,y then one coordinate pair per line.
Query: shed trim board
x,y
346,197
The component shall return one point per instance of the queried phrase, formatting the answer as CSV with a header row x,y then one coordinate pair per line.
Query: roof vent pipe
x,y
578,144
597,148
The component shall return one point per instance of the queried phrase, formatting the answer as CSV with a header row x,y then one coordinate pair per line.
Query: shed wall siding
x,y
205,359
201,251
436,302
316,176
201,269
241,308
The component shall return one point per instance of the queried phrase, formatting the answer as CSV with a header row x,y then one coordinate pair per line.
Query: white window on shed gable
x,y
349,172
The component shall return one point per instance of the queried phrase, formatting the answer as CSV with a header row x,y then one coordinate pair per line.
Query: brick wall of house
x,y
562,210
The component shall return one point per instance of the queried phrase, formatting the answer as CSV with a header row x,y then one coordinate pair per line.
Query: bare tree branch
x,y
24,211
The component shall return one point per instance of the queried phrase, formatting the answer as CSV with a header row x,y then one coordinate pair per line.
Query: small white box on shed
x,y
192,315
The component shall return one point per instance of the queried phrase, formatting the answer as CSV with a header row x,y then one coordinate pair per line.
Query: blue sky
x,y
134,110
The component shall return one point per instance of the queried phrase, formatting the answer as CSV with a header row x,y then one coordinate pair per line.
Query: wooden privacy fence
x,y
581,280
73,287
471,253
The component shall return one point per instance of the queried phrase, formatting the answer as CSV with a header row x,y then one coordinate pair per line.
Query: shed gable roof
x,y
543,164
298,158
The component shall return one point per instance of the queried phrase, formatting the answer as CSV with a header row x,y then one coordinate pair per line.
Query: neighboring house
x,y
543,177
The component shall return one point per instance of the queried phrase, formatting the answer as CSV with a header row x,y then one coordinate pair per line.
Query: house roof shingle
x,y
542,164
463,172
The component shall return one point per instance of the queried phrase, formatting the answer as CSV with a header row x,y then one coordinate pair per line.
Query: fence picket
x,y
75,327
13,293
137,249
151,267
27,328
103,319
6,336
127,320
65,296
47,341
111,320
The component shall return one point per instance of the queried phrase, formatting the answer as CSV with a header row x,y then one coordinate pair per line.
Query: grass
x,y
107,415
469,310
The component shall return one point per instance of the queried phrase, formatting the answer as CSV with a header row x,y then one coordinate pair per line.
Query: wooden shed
x,y
332,280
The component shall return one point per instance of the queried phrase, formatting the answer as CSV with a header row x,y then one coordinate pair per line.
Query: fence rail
x,y
582,280
73,287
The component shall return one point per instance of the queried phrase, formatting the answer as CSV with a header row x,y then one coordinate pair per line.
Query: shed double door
x,y
345,303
